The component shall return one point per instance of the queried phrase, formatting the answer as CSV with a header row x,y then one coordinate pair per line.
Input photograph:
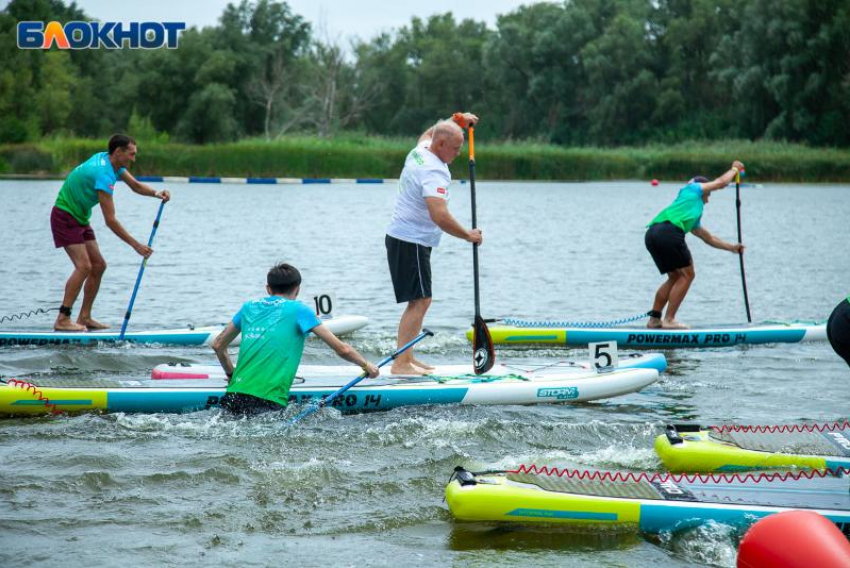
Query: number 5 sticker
x,y
324,305
603,355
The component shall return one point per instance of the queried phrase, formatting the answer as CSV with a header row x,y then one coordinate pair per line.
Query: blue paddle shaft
x,y
329,400
141,271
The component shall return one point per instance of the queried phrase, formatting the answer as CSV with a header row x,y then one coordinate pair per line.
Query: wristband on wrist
x,y
459,119
736,170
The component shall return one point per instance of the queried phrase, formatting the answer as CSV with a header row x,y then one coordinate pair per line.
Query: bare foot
x,y
673,324
423,366
64,323
92,324
654,323
408,370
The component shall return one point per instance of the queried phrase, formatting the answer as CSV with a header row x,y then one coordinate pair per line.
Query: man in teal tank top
x,y
89,184
273,332
665,241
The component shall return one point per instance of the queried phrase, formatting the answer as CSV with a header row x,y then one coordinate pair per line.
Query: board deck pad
x,y
828,492
835,443
595,487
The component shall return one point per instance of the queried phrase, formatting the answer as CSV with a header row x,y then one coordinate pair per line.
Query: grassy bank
x,y
352,156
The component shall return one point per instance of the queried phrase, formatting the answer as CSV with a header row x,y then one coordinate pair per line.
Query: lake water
x,y
368,489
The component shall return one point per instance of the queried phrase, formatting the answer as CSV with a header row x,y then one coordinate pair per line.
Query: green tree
x,y
382,72
268,42
620,77
53,101
530,64
691,103
209,117
787,68
446,60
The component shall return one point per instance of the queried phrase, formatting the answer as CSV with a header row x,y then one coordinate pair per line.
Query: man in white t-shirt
x,y
421,216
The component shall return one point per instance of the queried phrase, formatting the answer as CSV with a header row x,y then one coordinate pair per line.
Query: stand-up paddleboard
x,y
382,393
651,503
184,371
339,325
689,447
518,332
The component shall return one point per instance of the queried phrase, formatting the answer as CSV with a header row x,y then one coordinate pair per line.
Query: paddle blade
x,y
483,353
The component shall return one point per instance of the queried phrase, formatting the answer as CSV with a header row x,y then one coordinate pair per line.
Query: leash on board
x,y
587,324
29,314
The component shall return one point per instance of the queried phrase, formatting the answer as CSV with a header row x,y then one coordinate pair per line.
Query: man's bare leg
x,y
677,296
82,268
98,267
408,328
661,297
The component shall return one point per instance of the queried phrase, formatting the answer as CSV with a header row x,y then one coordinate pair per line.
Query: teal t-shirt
x,y
686,211
78,195
273,333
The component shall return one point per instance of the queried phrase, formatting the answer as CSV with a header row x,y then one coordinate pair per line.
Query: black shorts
x,y
838,330
410,268
666,243
247,405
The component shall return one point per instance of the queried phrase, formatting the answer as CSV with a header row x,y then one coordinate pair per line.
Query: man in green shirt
x,y
89,184
273,332
665,241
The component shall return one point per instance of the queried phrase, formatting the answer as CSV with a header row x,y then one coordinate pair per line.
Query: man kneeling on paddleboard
x,y
273,332
665,241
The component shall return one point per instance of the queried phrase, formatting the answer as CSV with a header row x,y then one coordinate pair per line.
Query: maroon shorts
x,y
67,230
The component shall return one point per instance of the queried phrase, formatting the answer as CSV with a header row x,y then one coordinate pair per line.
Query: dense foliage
x,y
582,72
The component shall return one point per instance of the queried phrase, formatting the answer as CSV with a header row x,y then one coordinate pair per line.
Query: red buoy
x,y
794,539
654,182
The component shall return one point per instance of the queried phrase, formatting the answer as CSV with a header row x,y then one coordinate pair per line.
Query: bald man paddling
x,y
420,218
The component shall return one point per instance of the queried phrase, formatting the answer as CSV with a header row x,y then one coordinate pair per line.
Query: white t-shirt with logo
x,y
424,175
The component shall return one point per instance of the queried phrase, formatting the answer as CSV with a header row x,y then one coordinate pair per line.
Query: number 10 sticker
x,y
603,355
324,304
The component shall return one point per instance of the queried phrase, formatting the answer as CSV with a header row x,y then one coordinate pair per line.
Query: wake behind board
x,y
649,503
185,371
550,333
191,336
689,447
381,393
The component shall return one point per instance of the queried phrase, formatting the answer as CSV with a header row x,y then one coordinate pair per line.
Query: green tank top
x,y
79,193
273,333
686,211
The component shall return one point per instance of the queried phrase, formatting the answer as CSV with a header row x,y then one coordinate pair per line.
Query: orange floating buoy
x,y
794,539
